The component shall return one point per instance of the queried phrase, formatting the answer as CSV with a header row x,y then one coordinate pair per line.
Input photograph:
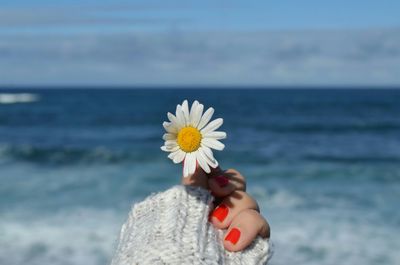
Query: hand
x,y
235,210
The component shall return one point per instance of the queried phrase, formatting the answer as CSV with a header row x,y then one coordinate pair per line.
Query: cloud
x,y
37,19
348,57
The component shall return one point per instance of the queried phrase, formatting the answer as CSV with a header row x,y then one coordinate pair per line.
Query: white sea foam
x,y
344,234
88,236
82,236
330,240
277,199
12,98
310,226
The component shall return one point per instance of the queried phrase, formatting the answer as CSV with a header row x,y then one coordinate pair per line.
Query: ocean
x,y
323,164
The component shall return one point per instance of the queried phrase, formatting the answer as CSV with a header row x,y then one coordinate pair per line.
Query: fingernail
x,y
233,236
222,180
221,212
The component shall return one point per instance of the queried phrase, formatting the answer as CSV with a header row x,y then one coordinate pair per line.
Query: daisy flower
x,y
190,137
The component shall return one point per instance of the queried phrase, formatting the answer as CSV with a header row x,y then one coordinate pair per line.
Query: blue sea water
x,y
323,164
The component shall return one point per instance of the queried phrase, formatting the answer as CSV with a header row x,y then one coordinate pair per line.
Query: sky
x,y
199,43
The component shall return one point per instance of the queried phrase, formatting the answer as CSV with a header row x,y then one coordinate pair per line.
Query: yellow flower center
x,y
189,139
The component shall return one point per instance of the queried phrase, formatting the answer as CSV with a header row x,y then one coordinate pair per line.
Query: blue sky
x,y
199,42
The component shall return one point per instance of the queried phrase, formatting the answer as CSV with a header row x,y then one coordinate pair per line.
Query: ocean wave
x,y
61,155
80,236
12,98
278,198
331,238
102,154
331,128
353,159
301,236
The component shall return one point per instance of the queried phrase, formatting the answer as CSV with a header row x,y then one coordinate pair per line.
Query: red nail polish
x,y
233,236
221,212
221,180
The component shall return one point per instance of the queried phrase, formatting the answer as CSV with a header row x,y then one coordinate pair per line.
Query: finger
x,y
199,178
215,171
230,207
245,227
223,183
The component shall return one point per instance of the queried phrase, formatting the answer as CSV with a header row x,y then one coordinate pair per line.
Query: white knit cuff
x,y
172,227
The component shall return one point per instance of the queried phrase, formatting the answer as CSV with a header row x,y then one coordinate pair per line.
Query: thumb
x,y
199,178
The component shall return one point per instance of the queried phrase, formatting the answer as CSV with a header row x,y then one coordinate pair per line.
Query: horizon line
x,y
154,87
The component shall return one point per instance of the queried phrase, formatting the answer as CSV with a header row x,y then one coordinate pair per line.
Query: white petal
x,y
193,108
170,143
195,113
185,168
169,148
216,135
205,118
207,151
177,156
164,148
169,136
170,127
212,143
209,157
191,162
202,160
172,155
188,164
185,109
212,126
174,120
180,116
180,155
175,148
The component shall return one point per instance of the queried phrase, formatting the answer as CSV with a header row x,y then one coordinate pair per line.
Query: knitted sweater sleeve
x,y
172,227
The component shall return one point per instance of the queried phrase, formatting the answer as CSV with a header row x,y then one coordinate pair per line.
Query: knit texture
x,y
172,227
